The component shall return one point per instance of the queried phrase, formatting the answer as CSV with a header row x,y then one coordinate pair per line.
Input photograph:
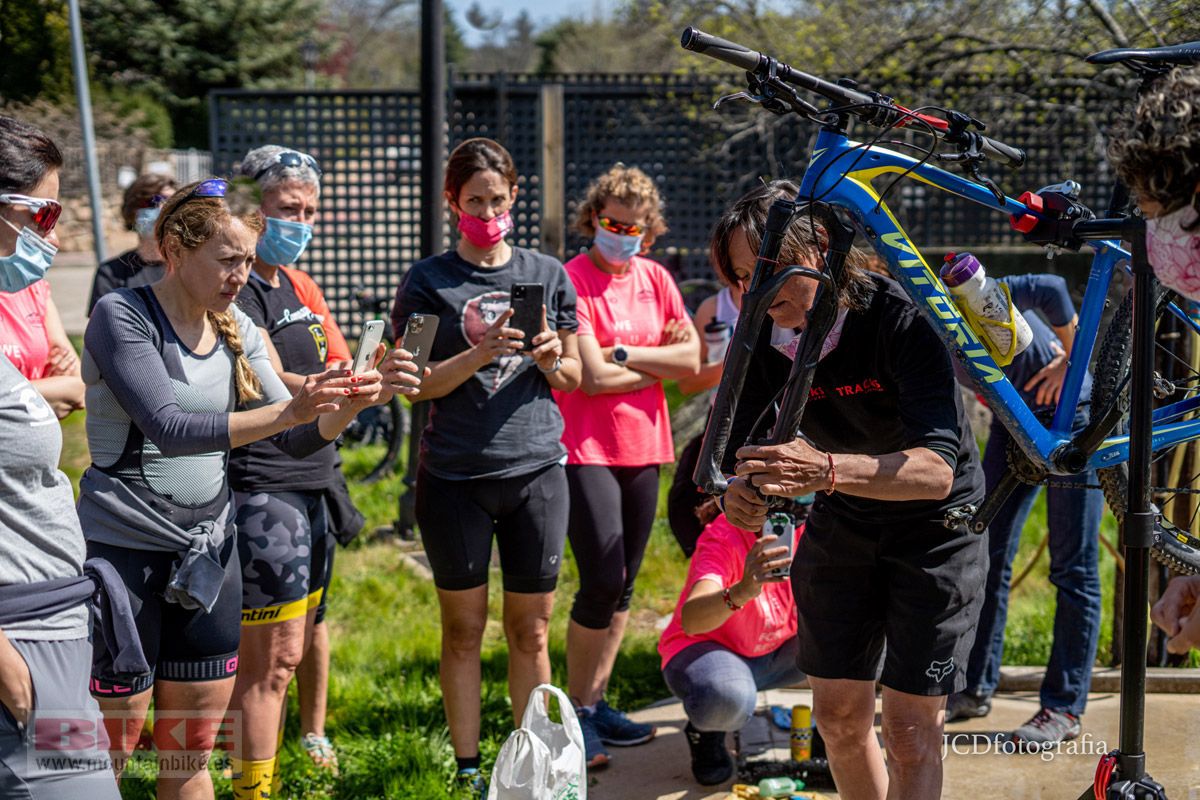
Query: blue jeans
x,y
719,688
1073,517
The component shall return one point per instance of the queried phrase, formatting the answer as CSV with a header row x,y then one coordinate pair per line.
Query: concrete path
x,y
70,285
974,770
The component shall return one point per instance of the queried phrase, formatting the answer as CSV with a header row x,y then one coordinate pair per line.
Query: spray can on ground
x,y
801,737
987,306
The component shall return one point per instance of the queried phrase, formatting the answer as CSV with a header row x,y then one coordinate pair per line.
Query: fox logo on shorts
x,y
939,670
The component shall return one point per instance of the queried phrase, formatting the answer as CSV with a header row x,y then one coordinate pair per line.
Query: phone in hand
x,y
419,333
783,526
368,343
526,301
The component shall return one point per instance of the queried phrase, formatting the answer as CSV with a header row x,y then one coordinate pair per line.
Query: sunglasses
x,y
290,158
623,228
213,187
45,212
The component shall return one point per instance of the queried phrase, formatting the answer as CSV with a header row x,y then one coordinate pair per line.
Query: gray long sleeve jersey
x,y
161,420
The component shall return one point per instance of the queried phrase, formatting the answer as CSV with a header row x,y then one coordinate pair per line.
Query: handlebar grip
x,y
1001,152
721,49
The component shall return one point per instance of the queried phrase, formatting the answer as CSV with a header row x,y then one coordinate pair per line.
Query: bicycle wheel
x,y
1176,470
377,433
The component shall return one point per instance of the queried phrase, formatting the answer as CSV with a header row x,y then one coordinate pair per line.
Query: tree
x,y
381,41
35,51
179,50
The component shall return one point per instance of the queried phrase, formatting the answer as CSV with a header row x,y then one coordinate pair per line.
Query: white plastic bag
x,y
542,760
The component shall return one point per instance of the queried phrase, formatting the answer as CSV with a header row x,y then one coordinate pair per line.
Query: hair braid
x,y
244,378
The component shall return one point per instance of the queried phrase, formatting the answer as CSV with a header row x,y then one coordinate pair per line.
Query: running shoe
x,y
1046,729
321,751
711,762
967,705
619,730
593,746
471,780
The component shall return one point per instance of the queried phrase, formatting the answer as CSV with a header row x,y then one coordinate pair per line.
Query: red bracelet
x,y
832,474
725,595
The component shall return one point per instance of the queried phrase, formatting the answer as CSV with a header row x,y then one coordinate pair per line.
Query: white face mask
x,y
1175,252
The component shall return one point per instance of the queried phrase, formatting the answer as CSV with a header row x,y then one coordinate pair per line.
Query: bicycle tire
x,y
1172,545
385,424
395,438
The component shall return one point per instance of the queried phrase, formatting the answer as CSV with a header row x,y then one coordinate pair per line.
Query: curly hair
x,y
805,239
1157,151
627,185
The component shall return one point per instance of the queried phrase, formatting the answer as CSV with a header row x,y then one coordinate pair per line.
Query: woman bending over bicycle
x,y
491,455
1157,153
889,451
177,376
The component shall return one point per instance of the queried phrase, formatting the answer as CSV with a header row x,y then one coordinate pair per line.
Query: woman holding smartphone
x,y
177,375
283,503
634,332
491,455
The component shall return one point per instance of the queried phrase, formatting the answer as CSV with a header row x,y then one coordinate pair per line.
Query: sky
x,y
543,12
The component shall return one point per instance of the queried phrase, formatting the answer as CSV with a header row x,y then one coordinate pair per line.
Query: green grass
x,y
385,712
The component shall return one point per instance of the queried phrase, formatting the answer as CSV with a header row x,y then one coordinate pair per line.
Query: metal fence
x,y
564,130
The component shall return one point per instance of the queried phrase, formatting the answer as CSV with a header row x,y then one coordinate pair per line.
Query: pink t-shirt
x,y
631,429
761,626
23,337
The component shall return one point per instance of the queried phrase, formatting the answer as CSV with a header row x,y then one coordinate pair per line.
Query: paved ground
x,y
661,770
70,284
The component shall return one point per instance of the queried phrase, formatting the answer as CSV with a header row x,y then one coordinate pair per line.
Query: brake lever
x,y
749,98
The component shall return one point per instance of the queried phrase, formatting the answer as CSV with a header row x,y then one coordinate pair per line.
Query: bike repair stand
x,y
1122,773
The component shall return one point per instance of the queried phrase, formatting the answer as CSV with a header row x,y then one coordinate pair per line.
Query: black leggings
x,y
612,513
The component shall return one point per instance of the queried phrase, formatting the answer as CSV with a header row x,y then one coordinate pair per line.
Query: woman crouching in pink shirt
x,y
634,332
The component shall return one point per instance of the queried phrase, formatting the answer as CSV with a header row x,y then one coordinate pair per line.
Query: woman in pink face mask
x,y
492,456
1157,154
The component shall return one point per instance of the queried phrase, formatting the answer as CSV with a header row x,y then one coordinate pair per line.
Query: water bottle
x,y
716,338
986,305
778,787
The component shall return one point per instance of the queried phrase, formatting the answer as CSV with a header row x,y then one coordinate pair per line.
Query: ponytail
x,y
249,388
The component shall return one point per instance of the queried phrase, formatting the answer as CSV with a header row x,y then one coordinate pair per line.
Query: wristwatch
x,y
620,356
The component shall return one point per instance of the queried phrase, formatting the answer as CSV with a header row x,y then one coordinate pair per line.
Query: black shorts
x,y
326,579
283,541
527,514
915,585
181,644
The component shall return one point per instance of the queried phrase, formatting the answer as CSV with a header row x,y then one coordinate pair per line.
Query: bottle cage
x,y
978,323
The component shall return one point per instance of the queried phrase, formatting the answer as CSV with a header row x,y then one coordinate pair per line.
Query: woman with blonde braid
x,y
177,376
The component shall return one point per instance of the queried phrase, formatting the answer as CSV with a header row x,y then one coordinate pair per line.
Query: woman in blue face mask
x,y
143,265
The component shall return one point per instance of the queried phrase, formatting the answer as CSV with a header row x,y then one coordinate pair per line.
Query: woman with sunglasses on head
x,y
143,265
634,332
178,376
45,655
491,455
285,506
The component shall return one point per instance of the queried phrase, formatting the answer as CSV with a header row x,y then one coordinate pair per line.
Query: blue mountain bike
x,y
845,187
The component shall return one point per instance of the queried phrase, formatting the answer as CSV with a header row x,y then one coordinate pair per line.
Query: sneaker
x,y
321,751
471,780
619,730
593,747
711,762
1046,729
967,705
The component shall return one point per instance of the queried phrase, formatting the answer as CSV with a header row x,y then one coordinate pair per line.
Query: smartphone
x,y
368,343
783,526
526,302
418,338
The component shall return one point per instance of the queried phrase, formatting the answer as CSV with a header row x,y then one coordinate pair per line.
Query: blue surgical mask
x,y
28,263
283,242
617,248
143,221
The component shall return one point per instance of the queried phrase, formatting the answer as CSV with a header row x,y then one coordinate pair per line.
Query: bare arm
x,y
708,375
668,361
64,393
705,608
446,376
604,377
292,380
1066,334
16,684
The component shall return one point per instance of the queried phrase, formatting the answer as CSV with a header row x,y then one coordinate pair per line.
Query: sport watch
x,y
620,356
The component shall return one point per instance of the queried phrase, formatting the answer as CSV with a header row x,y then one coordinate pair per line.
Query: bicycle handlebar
x,y
750,60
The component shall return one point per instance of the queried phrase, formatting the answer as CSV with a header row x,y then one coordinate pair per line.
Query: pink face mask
x,y
1174,252
485,234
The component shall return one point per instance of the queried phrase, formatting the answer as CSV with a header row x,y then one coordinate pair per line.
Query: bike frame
x,y
841,173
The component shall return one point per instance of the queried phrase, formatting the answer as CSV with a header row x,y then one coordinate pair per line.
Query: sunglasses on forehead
x,y
623,228
45,212
290,158
213,187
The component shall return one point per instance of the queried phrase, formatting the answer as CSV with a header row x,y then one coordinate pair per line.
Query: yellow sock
x,y
252,780
277,778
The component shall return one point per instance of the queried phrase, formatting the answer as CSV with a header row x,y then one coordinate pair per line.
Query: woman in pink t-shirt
x,y
634,332
32,337
733,634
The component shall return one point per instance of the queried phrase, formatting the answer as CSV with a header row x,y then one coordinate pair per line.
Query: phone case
x,y
419,333
372,335
526,302
783,526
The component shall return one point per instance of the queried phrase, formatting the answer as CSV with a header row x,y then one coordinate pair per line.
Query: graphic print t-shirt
x,y
301,340
502,421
